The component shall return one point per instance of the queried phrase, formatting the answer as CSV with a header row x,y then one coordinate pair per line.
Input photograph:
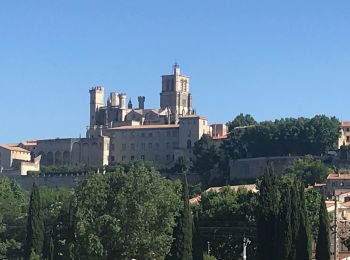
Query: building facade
x,y
344,137
119,132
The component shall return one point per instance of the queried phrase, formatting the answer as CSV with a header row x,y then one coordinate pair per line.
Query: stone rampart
x,y
250,169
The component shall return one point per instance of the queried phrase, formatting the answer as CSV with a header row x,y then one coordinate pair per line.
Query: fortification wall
x,y
246,169
68,181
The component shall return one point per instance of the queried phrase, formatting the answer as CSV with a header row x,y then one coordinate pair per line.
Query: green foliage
x,y
309,170
267,233
323,242
13,207
197,251
207,154
303,241
67,169
34,256
181,248
240,121
226,216
313,200
290,136
346,242
182,164
194,189
282,227
208,257
125,214
35,224
55,204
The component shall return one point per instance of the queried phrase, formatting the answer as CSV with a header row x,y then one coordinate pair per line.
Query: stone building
x,y
344,138
119,132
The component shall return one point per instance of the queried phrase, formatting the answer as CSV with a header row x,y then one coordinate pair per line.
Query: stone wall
x,y
249,169
68,181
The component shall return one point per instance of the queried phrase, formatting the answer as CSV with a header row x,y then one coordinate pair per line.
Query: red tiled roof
x,y
341,176
12,147
222,137
195,199
345,124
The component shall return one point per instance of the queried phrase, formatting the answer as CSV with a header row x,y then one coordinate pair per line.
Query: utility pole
x,y
335,228
246,242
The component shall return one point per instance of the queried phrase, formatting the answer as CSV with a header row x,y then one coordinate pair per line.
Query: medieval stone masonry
x,y
120,132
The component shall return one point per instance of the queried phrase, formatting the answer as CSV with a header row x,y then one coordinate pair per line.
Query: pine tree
x,y
323,243
267,234
181,248
35,224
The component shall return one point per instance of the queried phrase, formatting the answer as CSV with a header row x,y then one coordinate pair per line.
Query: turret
x,y
114,99
141,100
130,104
176,69
122,100
96,101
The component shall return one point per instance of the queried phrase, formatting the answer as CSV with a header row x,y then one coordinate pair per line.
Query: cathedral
x,y
119,132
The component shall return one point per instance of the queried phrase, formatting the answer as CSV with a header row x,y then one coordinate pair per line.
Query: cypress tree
x,y
294,216
181,248
284,223
303,242
323,243
35,224
196,240
267,234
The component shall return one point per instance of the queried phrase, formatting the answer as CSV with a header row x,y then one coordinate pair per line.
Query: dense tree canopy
x,y
289,136
207,154
13,211
126,214
309,170
225,217
282,223
241,120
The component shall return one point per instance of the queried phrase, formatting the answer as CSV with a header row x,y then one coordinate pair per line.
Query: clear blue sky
x,y
271,59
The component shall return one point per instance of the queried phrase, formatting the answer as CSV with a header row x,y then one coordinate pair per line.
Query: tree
x,y
284,223
130,215
182,164
267,234
13,207
233,212
196,240
303,242
181,248
287,136
309,170
35,224
313,201
323,243
207,154
241,120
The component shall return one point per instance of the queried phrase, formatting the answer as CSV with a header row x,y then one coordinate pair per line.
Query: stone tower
x,y
176,93
96,101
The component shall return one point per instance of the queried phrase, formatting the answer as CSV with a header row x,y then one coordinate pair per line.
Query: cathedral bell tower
x,y
175,93
96,101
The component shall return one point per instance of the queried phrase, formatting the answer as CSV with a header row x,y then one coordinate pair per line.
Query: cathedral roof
x,y
136,127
